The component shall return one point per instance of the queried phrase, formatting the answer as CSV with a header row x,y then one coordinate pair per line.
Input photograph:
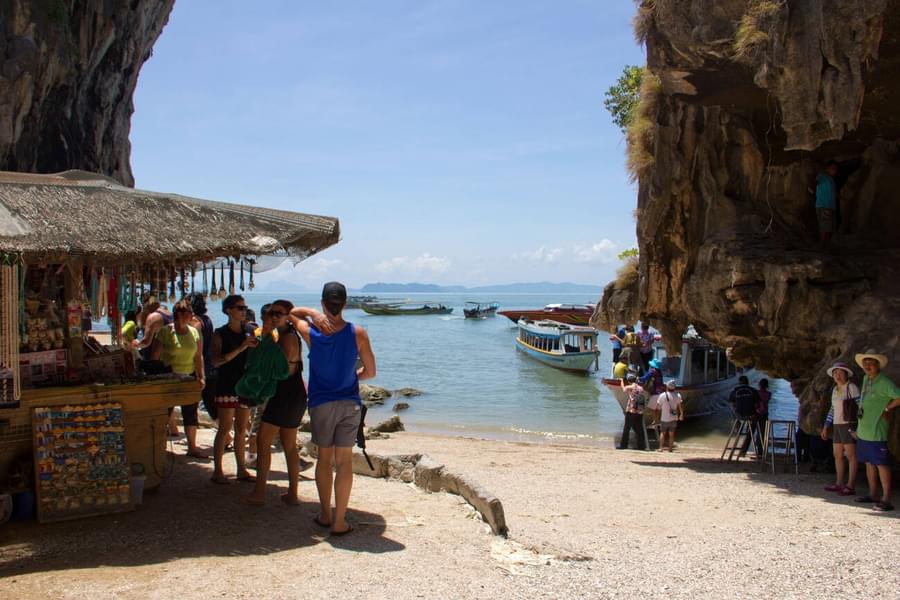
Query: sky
x,y
458,141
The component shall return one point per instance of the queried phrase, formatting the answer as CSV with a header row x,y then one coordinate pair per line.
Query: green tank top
x,y
179,349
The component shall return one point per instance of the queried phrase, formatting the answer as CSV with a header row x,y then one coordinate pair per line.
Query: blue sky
x,y
459,142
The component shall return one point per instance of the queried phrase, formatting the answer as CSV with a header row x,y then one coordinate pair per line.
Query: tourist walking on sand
x,y
334,402
634,413
181,348
841,420
284,410
879,397
826,201
230,344
670,410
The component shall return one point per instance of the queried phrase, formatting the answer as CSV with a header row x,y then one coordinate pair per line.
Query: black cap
x,y
334,295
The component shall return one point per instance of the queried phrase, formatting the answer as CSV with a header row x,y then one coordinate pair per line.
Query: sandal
x,y
846,491
834,487
883,506
197,454
350,530
865,500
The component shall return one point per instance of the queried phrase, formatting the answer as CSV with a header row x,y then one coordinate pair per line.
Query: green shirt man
x,y
876,395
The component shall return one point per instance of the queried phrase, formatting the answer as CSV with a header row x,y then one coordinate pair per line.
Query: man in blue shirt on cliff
x,y
826,201
334,402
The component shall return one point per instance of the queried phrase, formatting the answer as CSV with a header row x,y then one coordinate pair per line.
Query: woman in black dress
x,y
284,410
230,343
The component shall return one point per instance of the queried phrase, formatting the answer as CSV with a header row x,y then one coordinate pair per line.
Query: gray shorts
x,y
334,424
667,425
841,434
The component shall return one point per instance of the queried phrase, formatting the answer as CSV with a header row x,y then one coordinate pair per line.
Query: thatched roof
x,y
47,217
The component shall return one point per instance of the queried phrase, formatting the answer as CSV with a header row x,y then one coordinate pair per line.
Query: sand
x,y
584,523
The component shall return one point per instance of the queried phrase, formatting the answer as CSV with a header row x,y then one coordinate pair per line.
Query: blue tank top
x,y
332,366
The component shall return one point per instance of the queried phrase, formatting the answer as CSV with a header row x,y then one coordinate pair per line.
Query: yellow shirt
x,y
179,349
620,370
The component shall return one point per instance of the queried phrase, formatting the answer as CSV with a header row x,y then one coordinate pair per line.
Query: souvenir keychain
x,y
242,273
222,293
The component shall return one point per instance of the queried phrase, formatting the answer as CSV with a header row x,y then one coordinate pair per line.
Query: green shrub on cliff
x,y
752,34
622,98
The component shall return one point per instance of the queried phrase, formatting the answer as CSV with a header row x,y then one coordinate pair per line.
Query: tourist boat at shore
x,y
406,308
480,310
703,374
573,314
560,345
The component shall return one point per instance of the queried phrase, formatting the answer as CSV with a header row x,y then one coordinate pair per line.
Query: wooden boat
x,y
703,374
480,310
573,314
406,308
560,345
358,301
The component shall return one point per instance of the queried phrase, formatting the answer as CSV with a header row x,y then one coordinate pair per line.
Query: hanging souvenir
x,y
172,286
193,278
230,276
242,273
222,292
213,291
251,285
184,287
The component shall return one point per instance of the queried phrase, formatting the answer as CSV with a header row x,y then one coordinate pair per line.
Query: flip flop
x,y
249,502
321,523
883,506
197,454
220,480
344,532
846,491
865,500
248,478
284,498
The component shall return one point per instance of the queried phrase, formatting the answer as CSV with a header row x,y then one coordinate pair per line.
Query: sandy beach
x,y
584,523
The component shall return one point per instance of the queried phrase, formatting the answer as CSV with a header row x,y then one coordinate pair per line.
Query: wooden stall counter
x,y
146,406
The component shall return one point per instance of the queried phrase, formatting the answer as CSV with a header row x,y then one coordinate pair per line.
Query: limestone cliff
x,y
748,99
68,70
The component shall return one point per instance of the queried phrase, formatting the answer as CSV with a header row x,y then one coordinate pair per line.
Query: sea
x,y
475,383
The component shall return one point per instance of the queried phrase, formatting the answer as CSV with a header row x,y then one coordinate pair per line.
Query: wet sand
x,y
584,522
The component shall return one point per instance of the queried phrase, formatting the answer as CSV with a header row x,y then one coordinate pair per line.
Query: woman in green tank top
x,y
181,348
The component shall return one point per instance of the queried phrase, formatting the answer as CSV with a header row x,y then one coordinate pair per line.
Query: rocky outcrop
x,y
68,73
391,425
424,472
753,97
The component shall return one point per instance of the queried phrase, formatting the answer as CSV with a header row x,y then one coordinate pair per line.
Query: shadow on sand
x,y
187,516
805,483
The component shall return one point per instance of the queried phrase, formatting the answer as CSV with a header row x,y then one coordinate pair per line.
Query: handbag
x,y
850,408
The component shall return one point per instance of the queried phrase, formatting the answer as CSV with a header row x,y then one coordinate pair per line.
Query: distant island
x,y
542,287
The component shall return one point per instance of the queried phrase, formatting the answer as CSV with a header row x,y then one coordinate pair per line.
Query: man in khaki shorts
x,y
334,402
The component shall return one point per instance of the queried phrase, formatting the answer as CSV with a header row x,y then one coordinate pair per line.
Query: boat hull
x,y
569,318
571,361
699,400
390,311
479,314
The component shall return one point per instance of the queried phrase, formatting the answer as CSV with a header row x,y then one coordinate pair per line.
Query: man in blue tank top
x,y
334,402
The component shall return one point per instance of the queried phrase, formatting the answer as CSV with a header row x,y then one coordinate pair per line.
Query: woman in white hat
x,y
841,420
880,395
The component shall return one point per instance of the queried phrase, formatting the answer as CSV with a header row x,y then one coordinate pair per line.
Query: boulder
x,y
372,395
390,426
400,406
408,392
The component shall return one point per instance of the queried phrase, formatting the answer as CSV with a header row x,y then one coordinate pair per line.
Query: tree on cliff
x,y
622,98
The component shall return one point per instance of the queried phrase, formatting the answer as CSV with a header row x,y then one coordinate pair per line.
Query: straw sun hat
x,y
881,358
840,366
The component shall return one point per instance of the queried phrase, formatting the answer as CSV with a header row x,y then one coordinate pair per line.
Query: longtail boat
x,y
406,308
573,314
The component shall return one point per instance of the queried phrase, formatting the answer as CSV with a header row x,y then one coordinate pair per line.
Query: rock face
x,y
752,98
68,73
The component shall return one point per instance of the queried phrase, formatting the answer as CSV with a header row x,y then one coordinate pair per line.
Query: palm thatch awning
x,y
48,217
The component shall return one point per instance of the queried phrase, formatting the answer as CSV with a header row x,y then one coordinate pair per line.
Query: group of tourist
x,y
253,386
641,378
858,425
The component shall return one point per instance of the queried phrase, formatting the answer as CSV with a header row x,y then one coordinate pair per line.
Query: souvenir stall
x,y
79,416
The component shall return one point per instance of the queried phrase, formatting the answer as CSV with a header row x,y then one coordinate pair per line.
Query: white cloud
x,y
316,268
542,255
604,251
425,264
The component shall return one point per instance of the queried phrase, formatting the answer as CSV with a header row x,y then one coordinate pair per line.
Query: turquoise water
x,y
475,382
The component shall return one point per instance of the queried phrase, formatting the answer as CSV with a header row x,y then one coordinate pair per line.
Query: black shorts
x,y
285,409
